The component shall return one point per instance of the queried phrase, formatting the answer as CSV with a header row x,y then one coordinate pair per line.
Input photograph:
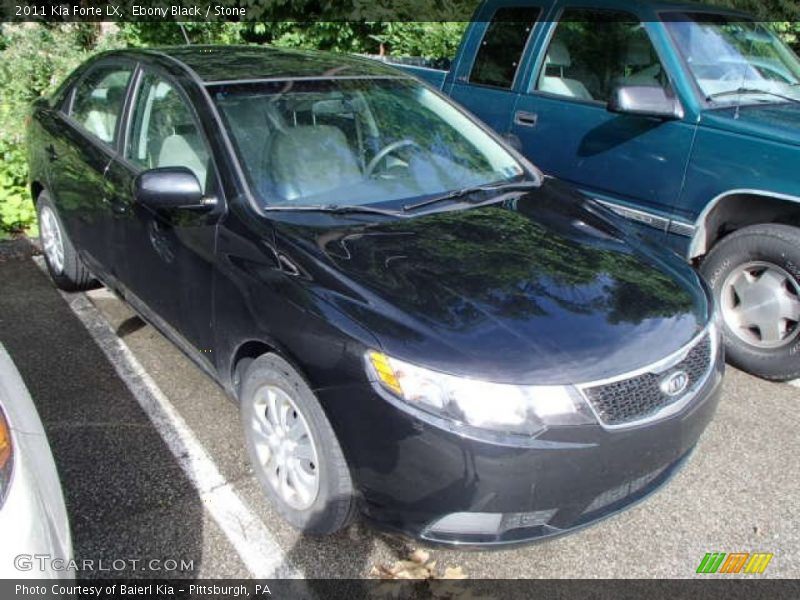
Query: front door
x,y
167,257
561,120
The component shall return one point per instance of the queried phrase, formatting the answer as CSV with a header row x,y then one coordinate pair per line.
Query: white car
x,y
33,518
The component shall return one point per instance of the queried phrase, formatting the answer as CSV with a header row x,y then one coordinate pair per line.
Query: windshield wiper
x,y
337,209
456,194
742,90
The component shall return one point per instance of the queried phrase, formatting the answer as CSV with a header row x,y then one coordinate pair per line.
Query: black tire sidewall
x,y
333,507
774,244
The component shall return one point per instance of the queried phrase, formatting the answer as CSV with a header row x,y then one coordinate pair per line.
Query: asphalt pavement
x,y
153,466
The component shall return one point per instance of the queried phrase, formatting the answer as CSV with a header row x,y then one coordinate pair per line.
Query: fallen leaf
x,y
453,573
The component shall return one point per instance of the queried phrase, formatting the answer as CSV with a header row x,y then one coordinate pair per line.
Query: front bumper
x,y
411,475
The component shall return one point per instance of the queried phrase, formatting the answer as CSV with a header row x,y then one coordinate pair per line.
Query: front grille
x,y
628,400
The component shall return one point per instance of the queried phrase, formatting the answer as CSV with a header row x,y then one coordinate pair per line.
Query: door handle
x,y
526,119
52,155
116,205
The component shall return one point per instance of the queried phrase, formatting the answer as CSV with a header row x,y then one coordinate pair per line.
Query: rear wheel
x,y
65,266
293,449
755,275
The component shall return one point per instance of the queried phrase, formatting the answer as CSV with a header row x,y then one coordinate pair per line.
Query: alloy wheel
x,y
52,240
285,447
761,304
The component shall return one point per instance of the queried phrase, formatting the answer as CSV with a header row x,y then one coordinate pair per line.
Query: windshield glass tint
x,y
356,141
725,55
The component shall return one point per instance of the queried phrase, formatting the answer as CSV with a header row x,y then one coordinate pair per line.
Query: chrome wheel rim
x,y
52,240
761,304
284,447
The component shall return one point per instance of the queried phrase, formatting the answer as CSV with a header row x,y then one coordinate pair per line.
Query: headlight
x,y
6,458
523,410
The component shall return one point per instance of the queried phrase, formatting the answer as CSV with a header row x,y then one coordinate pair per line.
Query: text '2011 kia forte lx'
x,y
418,325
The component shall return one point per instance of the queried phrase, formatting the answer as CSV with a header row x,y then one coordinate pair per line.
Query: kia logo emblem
x,y
674,383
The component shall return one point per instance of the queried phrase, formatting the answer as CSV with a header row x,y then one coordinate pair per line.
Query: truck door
x,y
485,85
635,163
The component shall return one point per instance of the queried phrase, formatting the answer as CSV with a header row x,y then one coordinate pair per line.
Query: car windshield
x,y
350,142
730,57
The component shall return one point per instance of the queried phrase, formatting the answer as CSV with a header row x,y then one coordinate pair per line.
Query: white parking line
x,y
246,532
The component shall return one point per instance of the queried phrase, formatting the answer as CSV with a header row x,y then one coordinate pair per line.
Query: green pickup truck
x,y
681,117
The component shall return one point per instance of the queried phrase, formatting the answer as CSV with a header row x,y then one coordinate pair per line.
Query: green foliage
x,y
429,40
170,34
34,59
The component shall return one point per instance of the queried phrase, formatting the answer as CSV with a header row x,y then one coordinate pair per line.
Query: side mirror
x,y
645,101
170,188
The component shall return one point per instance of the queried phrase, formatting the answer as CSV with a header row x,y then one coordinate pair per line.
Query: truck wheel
x,y
293,448
755,275
65,266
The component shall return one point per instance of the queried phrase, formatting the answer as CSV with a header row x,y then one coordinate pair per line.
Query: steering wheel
x,y
386,151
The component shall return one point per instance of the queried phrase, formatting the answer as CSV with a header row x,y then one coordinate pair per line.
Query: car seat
x,y
558,58
308,160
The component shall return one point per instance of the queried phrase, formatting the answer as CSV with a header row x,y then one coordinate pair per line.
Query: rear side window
x,y
501,49
99,98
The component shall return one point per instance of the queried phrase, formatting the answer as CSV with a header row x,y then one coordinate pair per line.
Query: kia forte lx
x,y
419,326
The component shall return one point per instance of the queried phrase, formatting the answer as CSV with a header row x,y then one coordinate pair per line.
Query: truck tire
x,y
755,275
63,263
293,449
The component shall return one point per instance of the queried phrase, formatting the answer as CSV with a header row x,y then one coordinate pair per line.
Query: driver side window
x,y
164,132
592,52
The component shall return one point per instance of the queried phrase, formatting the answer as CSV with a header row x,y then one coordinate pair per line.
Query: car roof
x,y
218,64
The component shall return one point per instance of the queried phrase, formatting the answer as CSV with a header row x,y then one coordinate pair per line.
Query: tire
x,y
332,507
759,267
63,263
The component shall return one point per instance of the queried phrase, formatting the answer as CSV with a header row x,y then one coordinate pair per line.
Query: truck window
x,y
592,52
501,48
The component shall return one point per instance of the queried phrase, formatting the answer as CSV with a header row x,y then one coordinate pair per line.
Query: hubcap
x,y
761,304
52,240
284,447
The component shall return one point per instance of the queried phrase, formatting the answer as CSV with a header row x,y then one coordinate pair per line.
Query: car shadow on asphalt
x,y
126,495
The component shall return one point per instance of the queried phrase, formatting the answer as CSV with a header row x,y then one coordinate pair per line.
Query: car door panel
x,y
166,256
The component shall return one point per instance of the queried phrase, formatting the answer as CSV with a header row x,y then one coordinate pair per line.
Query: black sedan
x,y
417,324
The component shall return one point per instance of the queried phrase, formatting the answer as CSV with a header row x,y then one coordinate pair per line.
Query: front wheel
x,y
293,449
755,276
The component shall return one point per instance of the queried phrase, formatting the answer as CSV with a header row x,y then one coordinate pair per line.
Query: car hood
x,y
546,289
774,121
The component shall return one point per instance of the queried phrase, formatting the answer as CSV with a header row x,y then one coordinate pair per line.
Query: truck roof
x,y
653,5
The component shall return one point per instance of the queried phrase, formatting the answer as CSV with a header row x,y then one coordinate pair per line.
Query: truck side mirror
x,y
645,101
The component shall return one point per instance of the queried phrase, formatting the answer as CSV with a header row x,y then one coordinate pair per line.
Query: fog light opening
x,y
494,524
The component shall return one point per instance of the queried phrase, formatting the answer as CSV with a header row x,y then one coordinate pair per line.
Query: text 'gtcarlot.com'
x,y
45,562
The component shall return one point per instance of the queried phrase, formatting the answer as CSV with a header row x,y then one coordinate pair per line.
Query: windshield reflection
x,y
726,55
356,141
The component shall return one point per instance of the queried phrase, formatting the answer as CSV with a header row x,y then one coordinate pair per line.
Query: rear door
x,y
485,85
82,146
167,257
635,163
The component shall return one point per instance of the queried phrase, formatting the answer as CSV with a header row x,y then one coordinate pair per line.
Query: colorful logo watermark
x,y
734,562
